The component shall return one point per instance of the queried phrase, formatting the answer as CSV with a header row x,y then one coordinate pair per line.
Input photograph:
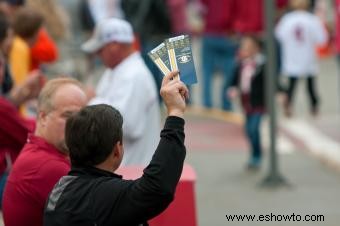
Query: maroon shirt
x,y
219,16
13,132
39,166
249,16
242,16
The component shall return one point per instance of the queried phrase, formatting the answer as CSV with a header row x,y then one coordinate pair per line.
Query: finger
x,y
183,87
173,81
169,77
185,92
180,87
178,84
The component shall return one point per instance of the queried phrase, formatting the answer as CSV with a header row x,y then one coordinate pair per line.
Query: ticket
x,y
181,58
159,56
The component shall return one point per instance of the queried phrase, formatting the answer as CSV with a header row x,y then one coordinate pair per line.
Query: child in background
x,y
248,83
26,25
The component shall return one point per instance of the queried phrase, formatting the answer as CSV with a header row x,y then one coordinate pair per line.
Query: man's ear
x,y
117,154
118,150
42,118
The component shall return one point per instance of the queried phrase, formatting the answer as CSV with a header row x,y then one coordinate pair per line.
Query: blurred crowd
x,y
40,39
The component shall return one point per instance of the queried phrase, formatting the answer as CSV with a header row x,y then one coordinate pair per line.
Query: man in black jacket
x,y
92,194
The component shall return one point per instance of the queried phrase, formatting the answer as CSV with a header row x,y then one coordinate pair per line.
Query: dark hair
x,y
27,22
256,40
16,2
4,25
91,134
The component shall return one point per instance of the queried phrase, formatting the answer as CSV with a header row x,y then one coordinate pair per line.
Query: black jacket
x,y
90,196
149,18
257,86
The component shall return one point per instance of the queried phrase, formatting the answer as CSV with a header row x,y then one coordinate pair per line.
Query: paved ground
x,y
224,186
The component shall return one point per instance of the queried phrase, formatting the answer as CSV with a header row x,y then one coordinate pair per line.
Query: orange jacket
x,y
43,51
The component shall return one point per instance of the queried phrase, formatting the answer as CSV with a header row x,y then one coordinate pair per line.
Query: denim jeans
x,y
218,53
3,180
252,128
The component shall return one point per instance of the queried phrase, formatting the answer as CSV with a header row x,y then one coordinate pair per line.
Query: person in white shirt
x,y
299,33
104,9
128,86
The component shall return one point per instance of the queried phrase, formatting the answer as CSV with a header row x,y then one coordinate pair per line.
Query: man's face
x,y
67,100
248,48
109,54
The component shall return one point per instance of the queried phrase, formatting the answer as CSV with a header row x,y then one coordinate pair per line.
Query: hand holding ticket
x,y
175,54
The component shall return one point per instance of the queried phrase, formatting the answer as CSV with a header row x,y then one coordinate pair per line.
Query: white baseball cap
x,y
109,30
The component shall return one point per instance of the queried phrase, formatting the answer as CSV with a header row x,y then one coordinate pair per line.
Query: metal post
x,y
274,178
338,84
336,6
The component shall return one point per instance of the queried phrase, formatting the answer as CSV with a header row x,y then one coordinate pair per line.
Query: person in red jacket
x,y
44,158
45,49
250,14
14,128
218,47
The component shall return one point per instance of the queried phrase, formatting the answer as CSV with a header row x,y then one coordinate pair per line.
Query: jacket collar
x,y
259,59
92,171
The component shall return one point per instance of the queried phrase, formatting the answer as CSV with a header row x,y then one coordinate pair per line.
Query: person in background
x,y
44,158
151,21
248,83
92,12
218,47
299,33
14,128
178,16
26,25
56,21
44,49
92,194
105,9
6,39
127,85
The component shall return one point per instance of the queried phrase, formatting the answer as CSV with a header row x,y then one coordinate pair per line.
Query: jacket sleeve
x,y
149,195
235,77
